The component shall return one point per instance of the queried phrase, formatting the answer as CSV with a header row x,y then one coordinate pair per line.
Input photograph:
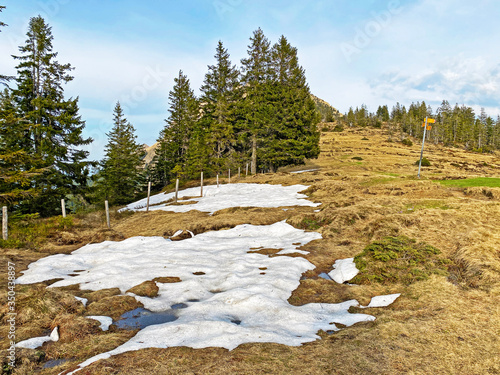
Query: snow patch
x,y
36,342
232,294
82,300
382,301
226,196
343,270
105,321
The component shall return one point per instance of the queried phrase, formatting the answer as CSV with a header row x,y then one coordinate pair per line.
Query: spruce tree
x,y
120,177
172,153
3,78
218,98
291,133
256,83
54,130
15,177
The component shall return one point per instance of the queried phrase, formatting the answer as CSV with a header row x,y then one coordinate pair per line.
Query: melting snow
x,y
36,342
105,321
241,296
382,301
226,196
82,300
343,270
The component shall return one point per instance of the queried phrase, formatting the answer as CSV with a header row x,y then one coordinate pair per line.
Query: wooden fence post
x,y
149,193
106,206
5,227
201,185
63,208
176,190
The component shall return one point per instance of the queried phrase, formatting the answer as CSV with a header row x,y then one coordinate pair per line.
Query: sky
x,y
371,52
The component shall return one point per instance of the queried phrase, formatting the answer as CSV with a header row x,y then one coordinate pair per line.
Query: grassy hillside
x,y
436,243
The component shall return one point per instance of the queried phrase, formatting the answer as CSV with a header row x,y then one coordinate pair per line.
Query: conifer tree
x,y
121,177
54,127
291,133
256,82
3,78
218,98
15,177
172,152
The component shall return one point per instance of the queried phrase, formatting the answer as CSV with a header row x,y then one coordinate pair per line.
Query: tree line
x,y
455,126
260,113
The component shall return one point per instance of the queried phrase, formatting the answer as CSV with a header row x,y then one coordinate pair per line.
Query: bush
x,y
407,142
425,162
338,128
357,158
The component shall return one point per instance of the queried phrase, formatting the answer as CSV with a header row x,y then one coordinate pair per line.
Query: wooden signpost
x,y
426,127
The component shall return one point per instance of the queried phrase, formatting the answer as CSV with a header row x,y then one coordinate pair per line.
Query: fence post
x,y
106,206
201,185
176,190
149,193
5,220
63,208
217,180
239,172
246,172
229,177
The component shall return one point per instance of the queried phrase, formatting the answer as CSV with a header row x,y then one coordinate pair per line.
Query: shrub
x,y
407,142
425,162
338,128
357,158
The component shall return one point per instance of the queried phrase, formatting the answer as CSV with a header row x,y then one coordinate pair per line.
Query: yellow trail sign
x,y
431,120
429,127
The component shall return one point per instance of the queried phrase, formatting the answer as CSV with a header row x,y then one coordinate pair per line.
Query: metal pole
x,y
246,172
229,177
239,172
5,227
149,193
217,180
176,190
422,151
201,185
63,208
106,206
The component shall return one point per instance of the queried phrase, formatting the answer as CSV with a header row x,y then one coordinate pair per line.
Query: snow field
x,y
226,196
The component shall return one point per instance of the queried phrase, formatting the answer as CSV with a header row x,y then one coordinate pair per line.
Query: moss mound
x,y
398,260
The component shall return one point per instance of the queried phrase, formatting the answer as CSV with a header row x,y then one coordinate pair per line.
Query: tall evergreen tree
x,y
3,78
218,98
54,130
15,178
290,132
256,82
172,152
121,176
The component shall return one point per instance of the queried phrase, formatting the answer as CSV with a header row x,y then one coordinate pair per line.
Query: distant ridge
x,y
327,111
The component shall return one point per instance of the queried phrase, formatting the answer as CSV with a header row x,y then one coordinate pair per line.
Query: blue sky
x,y
367,51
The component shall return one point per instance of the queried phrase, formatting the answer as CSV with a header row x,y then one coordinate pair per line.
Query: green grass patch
x,y
398,260
471,182
30,231
311,223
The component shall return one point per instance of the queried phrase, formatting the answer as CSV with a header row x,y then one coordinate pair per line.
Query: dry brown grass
x,y
443,325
